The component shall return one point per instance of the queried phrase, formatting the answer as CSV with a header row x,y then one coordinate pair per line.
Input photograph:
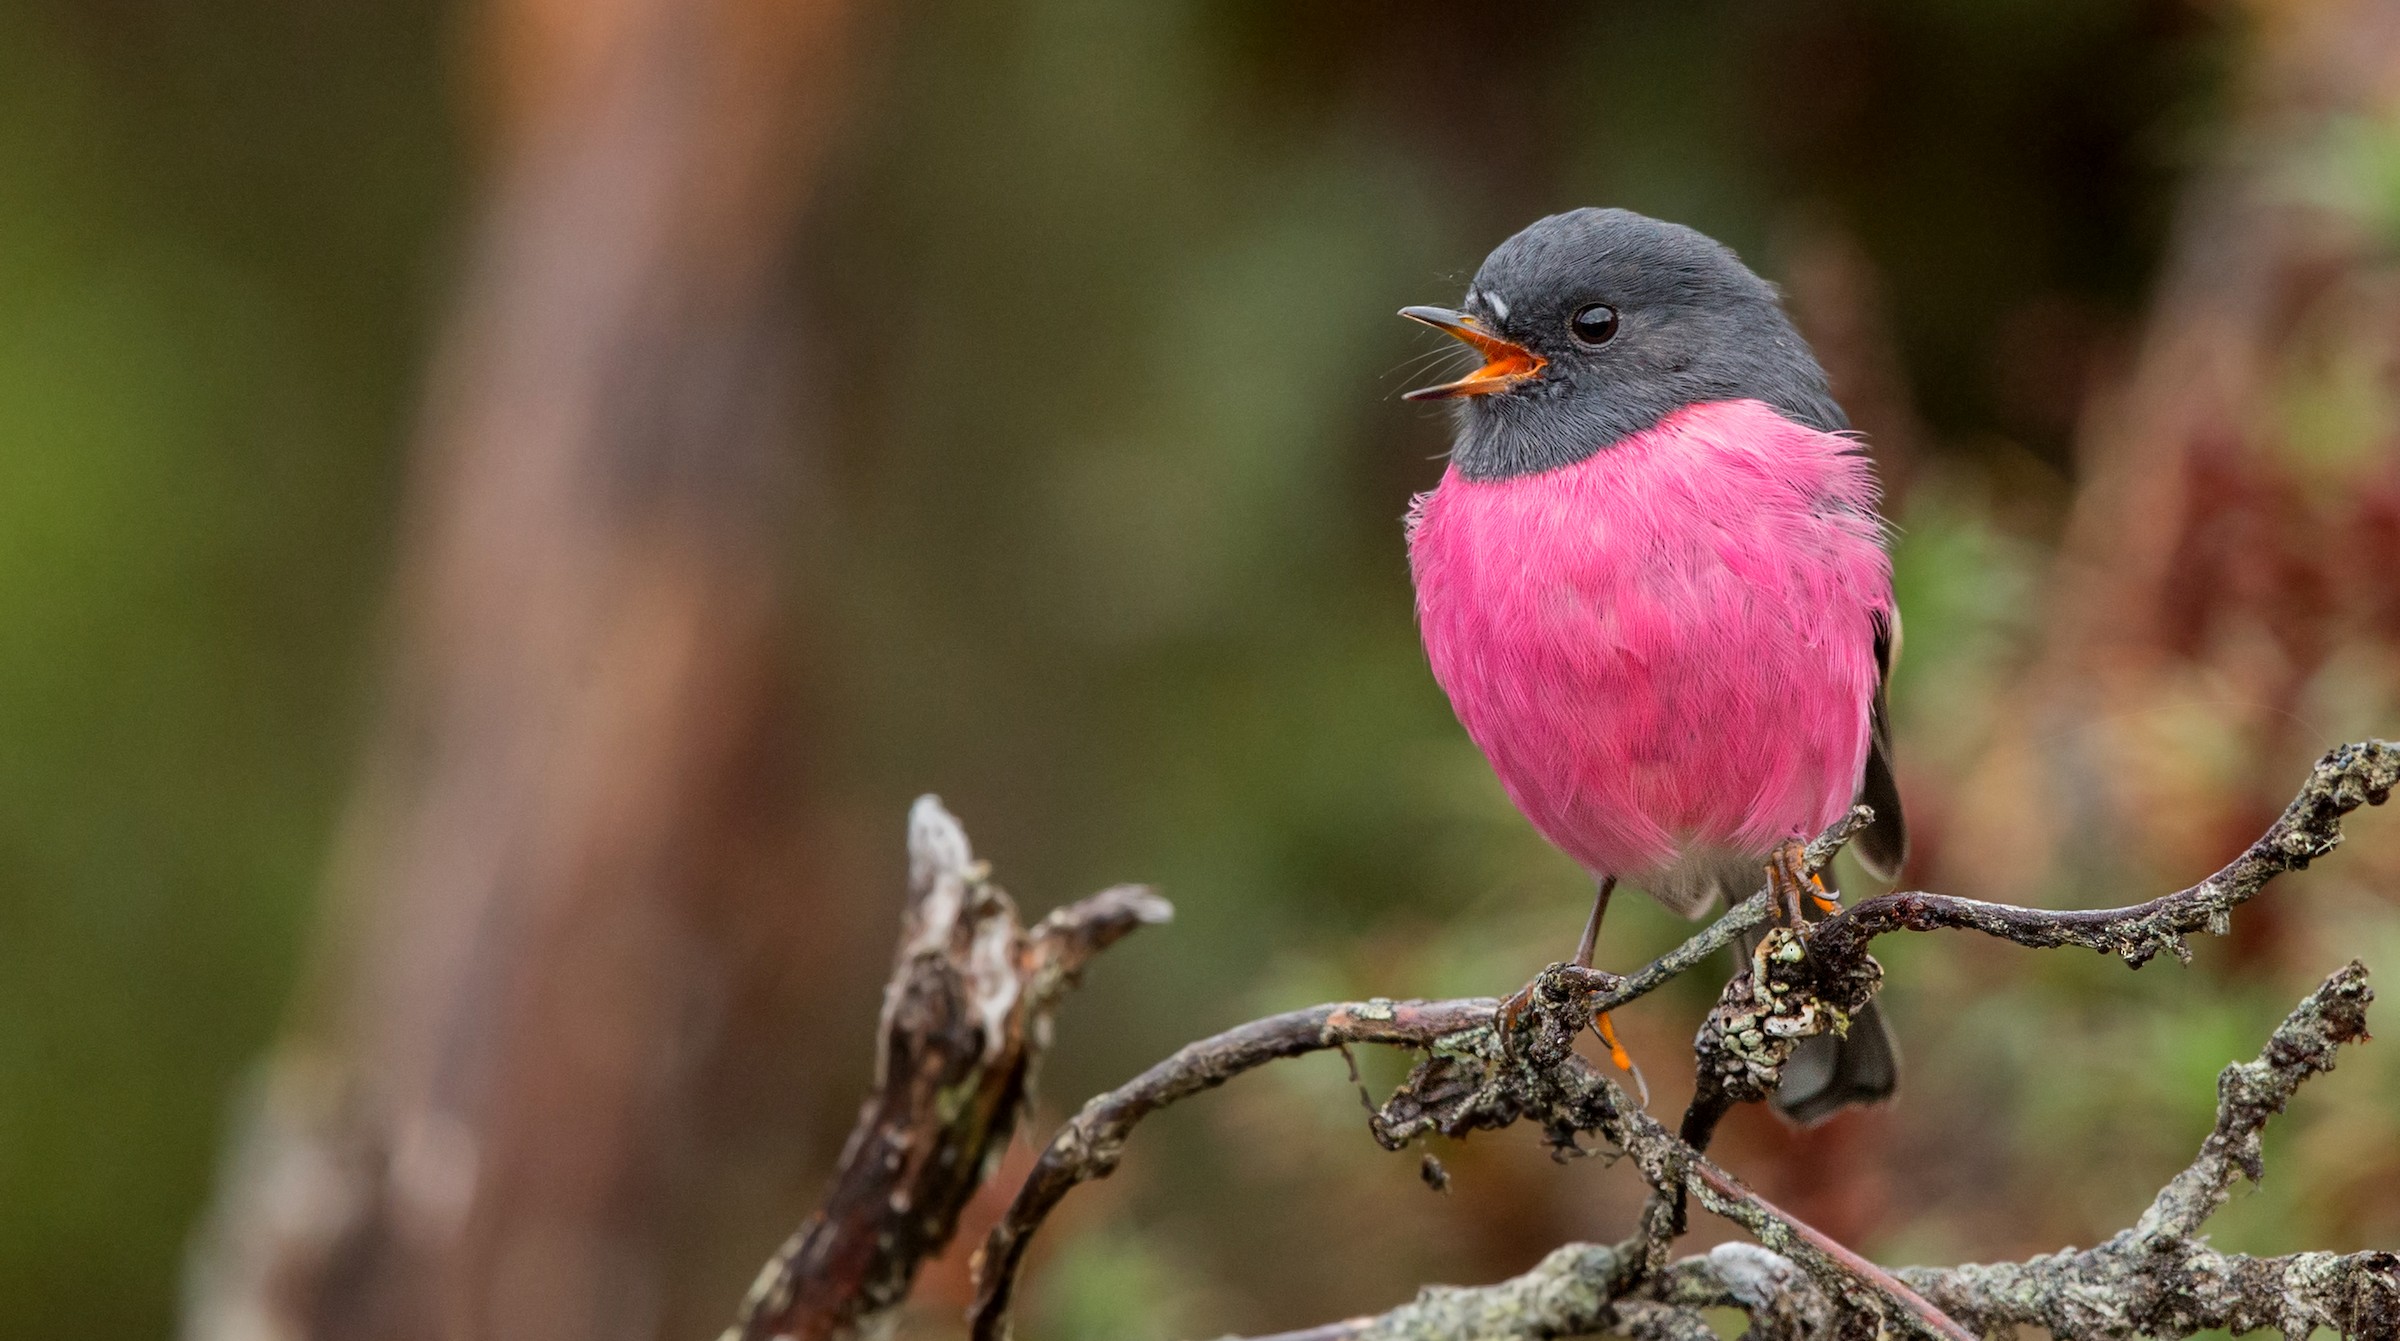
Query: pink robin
x,y
1653,581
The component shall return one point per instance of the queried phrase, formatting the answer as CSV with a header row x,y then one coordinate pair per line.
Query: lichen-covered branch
x,y
1807,979
2153,1280
1530,1072
1485,1067
965,1020
2348,777
1577,1290
1583,1289
1489,1064
2250,1093
1091,1143
2117,1291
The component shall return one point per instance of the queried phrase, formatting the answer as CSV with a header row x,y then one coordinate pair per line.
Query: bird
x,y
1655,583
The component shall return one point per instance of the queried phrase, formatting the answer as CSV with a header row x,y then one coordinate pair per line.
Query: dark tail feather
x,y
1883,848
1827,1074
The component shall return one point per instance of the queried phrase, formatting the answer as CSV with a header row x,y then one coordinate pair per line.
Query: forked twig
x,y
965,1020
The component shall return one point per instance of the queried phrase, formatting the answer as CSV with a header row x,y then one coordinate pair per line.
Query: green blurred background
x,y
1100,463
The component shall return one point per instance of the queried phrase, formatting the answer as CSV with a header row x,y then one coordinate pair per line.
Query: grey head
x,y
1598,323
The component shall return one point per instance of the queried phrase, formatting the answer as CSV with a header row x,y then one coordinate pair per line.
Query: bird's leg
x,y
1591,929
1583,960
1516,1005
1513,1008
1787,877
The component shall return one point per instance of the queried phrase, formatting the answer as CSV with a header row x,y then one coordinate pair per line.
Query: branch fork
x,y
1488,1064
966,1019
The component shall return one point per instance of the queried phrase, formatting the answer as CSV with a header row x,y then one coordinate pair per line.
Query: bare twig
x,y
965,1020
2250,1093
1092,1143
2346,778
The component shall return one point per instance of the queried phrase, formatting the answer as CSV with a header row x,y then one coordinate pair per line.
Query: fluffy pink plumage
x,y
1667,648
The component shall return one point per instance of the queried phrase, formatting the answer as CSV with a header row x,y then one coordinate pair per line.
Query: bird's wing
x,y
1884,846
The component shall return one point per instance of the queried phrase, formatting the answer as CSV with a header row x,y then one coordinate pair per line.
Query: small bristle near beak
x,y
1506,364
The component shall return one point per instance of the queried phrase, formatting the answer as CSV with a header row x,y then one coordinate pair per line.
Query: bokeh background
x,y
502,505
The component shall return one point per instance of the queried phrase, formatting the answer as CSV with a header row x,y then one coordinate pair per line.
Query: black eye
x,y
1594,325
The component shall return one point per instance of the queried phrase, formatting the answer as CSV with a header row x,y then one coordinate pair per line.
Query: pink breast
x,y
1670,644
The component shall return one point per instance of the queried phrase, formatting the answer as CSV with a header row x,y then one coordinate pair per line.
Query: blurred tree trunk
x,y
2223,549
487,1097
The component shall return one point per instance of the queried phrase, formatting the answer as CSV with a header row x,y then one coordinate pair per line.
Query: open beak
x,y
1506,363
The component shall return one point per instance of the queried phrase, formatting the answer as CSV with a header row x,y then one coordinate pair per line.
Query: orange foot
x,y
1791,880
1618,1054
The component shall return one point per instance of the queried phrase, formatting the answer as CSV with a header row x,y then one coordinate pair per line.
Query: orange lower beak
x,y
1506,363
